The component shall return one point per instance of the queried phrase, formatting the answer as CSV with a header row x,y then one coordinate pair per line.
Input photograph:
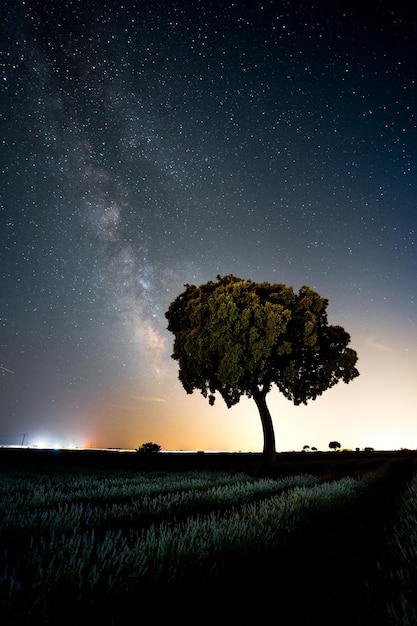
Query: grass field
x,y
207,538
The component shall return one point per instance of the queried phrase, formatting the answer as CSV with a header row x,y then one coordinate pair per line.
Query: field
x,y
121,538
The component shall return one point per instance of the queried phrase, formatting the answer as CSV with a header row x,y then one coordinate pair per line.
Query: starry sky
x,y
150,144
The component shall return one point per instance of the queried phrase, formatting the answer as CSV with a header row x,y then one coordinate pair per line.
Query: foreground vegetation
x,y
232,547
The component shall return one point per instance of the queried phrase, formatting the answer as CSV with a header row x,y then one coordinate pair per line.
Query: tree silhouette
x,y
237,337
334,445
149,448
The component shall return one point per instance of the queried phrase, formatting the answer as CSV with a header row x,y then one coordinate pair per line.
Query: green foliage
x,y
101,541
237,337
54,544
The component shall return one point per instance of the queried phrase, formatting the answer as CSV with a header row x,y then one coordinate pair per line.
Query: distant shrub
x,y
149,448
334,445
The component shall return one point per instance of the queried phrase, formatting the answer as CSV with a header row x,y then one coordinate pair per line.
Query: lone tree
x,y
334,445
237,337
149,448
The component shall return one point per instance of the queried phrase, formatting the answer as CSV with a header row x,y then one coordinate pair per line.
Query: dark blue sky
x,y
153,144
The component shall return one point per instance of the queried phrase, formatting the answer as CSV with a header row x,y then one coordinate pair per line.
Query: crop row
x,y
138,502
48,489
80,558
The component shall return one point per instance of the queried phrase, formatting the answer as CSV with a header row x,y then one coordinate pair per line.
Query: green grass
x,y
77,545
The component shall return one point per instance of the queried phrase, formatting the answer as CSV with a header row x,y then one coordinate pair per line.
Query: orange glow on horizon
x,y
366,412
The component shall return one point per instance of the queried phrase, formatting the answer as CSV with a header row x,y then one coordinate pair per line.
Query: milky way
x,y
154,144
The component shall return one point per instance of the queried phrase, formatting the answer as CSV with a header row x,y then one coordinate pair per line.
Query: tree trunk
x,y
269,452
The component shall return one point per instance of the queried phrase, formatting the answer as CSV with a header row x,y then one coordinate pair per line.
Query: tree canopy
x,y
236,337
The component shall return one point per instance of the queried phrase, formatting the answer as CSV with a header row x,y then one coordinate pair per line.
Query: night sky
x,y
150,144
